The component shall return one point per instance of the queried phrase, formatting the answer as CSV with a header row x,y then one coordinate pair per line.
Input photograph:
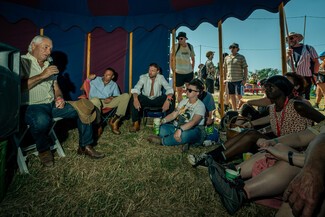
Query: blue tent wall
x,y
149,47
70,45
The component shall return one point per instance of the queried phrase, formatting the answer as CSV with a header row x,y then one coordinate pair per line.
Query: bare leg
x,y
179,93
272,181
319,94
247,166
242,143
232,98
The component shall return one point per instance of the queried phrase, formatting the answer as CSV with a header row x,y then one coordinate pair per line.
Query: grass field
x,y
134,179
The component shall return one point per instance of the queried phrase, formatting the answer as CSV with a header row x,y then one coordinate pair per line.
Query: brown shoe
x,y
135,127
99,131
154,139
46,158
114,124
90,151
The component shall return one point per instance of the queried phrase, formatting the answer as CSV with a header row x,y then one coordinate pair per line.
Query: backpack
x,y
204,73
179,46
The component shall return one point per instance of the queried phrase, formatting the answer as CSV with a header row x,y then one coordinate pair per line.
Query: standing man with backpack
x,y
185,61
210,72
302,59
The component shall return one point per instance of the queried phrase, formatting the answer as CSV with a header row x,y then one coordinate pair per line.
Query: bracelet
x,y
163,121
290,154
181,129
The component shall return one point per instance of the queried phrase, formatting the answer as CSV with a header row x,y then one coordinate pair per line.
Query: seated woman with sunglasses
x,y
183,126
286,115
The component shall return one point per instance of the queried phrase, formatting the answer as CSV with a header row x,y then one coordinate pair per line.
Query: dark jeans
x,y
146,102
309,83
209,85
39,118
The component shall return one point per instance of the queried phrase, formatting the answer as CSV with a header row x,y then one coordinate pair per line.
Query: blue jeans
x,y
191,136
39,118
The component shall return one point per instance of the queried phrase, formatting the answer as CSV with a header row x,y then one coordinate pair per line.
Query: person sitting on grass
x,y
188,119
267,180
285,116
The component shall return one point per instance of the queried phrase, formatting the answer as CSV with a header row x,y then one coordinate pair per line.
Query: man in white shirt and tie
x,y
148,93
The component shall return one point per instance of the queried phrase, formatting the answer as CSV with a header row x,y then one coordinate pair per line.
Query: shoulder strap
x,y
189,46
179,46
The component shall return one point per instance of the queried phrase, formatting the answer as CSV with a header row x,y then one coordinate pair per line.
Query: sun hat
x,y
181,34
322,54
298,35
234,45
209,53
85,109
282,83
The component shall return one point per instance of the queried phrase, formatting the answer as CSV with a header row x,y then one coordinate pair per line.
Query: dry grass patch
x,y
134,179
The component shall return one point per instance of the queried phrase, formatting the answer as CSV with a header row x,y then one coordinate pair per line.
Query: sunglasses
x,y
292,37
180,39
232,47
190,90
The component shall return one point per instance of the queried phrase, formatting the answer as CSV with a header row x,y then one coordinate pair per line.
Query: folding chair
x,y
152,112
23,152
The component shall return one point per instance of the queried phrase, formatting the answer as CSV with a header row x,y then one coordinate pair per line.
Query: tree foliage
x,y
267,72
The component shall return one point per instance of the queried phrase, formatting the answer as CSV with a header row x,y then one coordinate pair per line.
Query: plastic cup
x,y
232,174
156,125
247,155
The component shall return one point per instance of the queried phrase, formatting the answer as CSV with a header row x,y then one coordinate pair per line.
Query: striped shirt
x,y
302,57
183,59
235,67
42,92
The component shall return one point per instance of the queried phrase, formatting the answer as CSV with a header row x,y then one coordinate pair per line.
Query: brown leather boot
x,y
90,151
135,127
113,119
115,126
46,158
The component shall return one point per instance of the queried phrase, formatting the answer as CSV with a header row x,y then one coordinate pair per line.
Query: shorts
x,y
181,79
235,87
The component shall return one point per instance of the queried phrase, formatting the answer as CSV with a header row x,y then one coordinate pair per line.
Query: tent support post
x,y
130,60
222,86
88,54
282,39
173,63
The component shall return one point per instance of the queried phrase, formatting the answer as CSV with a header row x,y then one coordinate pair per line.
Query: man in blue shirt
x,y
104,93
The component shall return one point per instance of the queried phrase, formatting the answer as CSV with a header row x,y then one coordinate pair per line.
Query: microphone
x,y
50,60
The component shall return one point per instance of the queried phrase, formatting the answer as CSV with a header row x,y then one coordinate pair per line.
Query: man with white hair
x,y
42,101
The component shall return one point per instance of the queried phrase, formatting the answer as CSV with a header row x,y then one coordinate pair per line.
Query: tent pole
x,y
173,66
282,39
130,60
88,54
222,86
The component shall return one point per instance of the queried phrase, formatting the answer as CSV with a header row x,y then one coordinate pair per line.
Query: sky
x,y
259,35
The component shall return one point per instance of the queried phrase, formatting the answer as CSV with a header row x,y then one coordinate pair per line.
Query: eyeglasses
x,y
190,90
